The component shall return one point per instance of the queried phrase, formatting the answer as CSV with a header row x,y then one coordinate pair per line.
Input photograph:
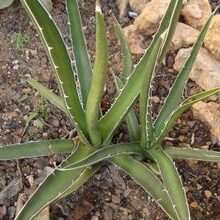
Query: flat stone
x,y
212,40
206,70
210,114
196,12
185,36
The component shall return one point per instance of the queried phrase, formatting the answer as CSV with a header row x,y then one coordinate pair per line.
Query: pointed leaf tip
x,y
98,6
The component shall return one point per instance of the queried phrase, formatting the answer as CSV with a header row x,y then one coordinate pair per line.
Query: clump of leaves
x,y
95,130
20,39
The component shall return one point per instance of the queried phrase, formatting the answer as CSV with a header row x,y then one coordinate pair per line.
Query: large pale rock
x,y
138,5
206,70
135,40
212,40
196,12
209,113
148,21
184,36
122,7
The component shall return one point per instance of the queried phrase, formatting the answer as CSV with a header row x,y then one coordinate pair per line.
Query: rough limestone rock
x,y
148,21
184,36
210,114
122,7
196,12
206,70
212,40
47,4
138,5
135,40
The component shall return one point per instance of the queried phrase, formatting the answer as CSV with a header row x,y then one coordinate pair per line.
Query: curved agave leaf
x,y
49,95
145,108
147,180
106,153
172,182
87,173
171,29
176,91
182,107
54,186
132,87
126,52
130,119
83,66
60,61
36,149
193,154
98,79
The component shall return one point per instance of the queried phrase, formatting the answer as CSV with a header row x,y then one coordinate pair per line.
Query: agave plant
x,y
95,131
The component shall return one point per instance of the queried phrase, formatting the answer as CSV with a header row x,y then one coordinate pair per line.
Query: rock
x,y
148,21
11,212
212,40
108,213
138,5
116,199
122,7
135,40
3,211
94,217
184,36
210,114
205,71
208,194
196,12
11,190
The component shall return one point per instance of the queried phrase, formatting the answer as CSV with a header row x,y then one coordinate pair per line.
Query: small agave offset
x,y
82,106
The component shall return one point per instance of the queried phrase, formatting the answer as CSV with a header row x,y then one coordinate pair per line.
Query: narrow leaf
x,y
48,94
54,186
126,52
87,173
147,180
131,90
36,149
83,66
193,154
172,182
182,108
60,61
145,105
171,29
176,91
106,153
98,79
131,118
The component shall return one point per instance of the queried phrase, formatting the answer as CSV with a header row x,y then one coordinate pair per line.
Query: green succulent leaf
x,y
56,49
106,153
170,30
126,52
147,180
130,119
49,95
98,79
87,173
176,91
83,66
172,182
145,105
36,149
182,108
132,88
55,185
193,154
